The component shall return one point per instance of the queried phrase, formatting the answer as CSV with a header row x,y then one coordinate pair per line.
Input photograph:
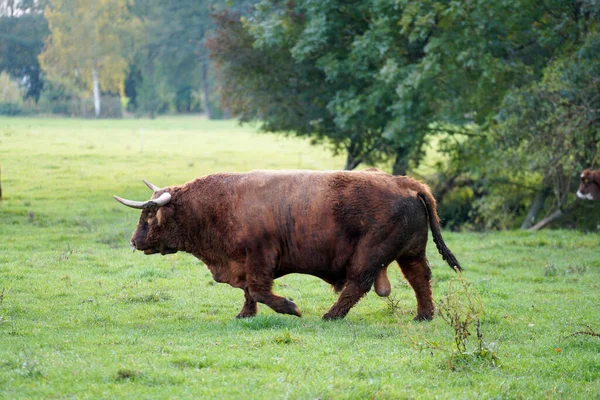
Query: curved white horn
x,y
154,188
130,203
163,199
159,202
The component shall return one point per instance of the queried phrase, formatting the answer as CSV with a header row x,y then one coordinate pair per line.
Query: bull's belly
x,y
334,276
329,267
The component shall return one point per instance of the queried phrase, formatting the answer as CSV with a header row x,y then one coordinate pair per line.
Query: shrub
x,y
10,109
11,96
462,310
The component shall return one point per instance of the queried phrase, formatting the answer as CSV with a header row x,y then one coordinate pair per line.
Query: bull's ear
x,y
163,214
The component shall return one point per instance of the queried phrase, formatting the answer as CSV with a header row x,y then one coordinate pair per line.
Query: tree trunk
x,y
351,161
205,88
96,92
401,162
536,207
151,102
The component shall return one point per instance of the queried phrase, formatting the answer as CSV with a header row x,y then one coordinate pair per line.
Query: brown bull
x,y
343,227
589,185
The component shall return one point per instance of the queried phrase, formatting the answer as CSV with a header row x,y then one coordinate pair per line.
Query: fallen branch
x,y
546,221
589,332
551,218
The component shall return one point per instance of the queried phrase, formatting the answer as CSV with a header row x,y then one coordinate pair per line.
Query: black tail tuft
x,y
434,224
445,252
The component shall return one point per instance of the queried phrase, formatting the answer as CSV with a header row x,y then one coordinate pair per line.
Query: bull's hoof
x,y
421,317
245,314
332,317
293,309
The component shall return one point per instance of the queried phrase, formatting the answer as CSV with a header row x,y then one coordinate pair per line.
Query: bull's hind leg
x,y
260,267
349,296
356,287
250,307
417,273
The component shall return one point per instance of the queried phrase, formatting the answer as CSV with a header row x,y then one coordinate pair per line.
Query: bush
x,y
11,96
10,109
75,107
110,107
63,98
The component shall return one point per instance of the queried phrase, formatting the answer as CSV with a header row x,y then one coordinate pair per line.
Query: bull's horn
x,y
154,188
162,200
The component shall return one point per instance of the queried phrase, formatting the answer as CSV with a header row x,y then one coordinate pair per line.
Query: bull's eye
x,y
585,180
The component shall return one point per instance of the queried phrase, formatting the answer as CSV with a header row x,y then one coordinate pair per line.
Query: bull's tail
x,y
434,224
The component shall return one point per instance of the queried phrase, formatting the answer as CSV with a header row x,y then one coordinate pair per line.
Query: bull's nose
x,y
132,244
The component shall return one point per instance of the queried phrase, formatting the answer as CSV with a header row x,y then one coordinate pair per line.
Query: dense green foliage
x,y
526,159
81,316
338,76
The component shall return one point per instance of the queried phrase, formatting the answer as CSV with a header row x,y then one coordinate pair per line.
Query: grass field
x,y
81,316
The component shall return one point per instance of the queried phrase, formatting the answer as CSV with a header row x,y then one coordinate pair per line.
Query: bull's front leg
x,y
250,306
260,264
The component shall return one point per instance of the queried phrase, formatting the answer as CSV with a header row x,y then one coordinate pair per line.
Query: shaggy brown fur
x,y
343,227
589,185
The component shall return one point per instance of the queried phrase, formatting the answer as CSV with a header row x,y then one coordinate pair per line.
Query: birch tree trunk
x,y
96,92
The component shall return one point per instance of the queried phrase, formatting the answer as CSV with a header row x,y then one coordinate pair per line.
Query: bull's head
x,y
154,232
589,186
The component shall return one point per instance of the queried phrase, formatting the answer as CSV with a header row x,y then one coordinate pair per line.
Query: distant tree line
x,y
508,90
96,58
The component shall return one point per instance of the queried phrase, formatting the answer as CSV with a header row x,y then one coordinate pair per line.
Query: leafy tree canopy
x,y
23,29
87,37
373,76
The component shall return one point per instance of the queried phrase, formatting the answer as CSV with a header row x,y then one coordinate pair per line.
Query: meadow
x,y
81,316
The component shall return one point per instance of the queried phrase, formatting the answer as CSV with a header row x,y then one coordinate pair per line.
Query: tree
x,y
286,67
372,78
171,62
558,125
540,127
22,32
15,8
88,44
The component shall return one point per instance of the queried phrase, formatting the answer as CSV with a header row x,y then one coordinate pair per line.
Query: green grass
x,y
81,316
